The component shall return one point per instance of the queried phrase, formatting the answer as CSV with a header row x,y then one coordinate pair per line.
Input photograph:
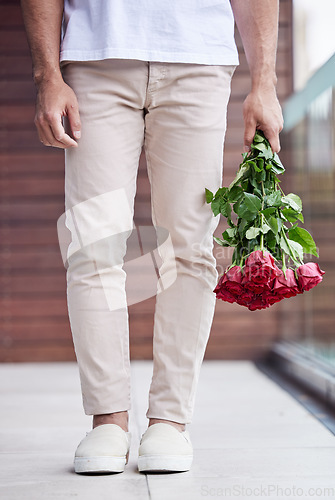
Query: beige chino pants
x,y
178,112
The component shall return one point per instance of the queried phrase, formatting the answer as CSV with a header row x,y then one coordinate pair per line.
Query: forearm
x,y
43,19
55,99
257,22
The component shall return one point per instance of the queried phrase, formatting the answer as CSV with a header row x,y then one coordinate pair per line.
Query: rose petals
x,y
260,283
286,287
309,275
260,268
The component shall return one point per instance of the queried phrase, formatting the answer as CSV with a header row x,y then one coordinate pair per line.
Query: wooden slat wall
x,y
33,314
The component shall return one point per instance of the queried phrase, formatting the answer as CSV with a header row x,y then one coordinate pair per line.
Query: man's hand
x,y
261,110
55,100
257,22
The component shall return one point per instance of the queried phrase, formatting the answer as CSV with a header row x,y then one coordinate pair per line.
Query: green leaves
x,y
234,194
303,237
273,223
252,232
293,201
291,215
277,166
219,201
216,204
273,200
209,195
258,138
244,169
266,150
252,202
259,214
220,205
293,250
244,213
247,207
230,236
220,242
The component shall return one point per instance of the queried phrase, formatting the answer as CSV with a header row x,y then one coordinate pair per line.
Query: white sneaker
x,y
104,449
164,448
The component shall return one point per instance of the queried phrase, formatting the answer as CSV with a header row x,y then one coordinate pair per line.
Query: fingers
x,y
273,138
262,111
272,135
74,121
51,131
249,133
272,131
55,101
250,123
59,134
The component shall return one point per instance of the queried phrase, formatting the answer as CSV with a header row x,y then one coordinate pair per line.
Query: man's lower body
x,y
178,112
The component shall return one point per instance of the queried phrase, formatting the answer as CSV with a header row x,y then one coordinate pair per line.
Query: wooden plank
x,y
33,236
38,353
35,330
39,260
15,66
15,117
40,284
10,15
14,163
17,91
31,211
29,308
30,188
14,42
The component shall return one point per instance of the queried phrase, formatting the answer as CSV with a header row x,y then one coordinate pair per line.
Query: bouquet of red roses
x,y
264,231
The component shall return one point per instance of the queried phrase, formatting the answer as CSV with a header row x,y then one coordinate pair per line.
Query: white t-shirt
x,y
186,31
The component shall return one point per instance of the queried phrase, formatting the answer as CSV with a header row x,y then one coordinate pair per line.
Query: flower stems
x,y
258,212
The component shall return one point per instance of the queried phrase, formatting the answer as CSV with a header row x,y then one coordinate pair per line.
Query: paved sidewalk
x,y
251,439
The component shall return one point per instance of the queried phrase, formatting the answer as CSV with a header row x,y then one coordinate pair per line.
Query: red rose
x,y
245,298
221,283
256,288
309,275
225,295
260,269
257,303
234,280
270,298
229,285
286,287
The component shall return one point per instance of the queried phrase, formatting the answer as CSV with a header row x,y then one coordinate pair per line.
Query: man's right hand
x,y
55,100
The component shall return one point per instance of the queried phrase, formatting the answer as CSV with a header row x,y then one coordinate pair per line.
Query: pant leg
x,y
100,185
184,137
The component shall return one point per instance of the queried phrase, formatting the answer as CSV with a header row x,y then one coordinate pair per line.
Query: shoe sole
x,y
100,464
163,463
